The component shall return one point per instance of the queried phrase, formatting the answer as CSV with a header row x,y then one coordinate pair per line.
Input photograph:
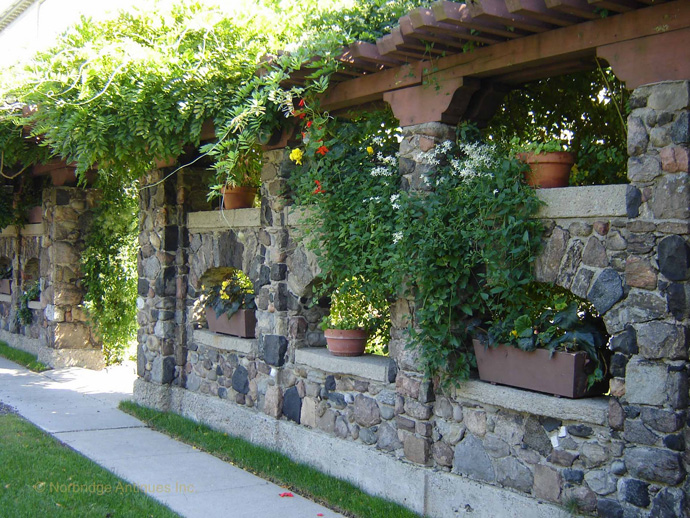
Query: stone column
x,y
414,396
68,335
651,324
162,283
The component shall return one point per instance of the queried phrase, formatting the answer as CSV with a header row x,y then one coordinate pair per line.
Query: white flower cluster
x,y
394,201
397,236
382,171
373,198
478,159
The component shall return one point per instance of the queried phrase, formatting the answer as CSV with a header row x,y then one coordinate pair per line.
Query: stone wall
x,y
491,449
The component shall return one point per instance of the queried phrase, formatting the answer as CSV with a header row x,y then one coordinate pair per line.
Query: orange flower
x,y
322,150
318,189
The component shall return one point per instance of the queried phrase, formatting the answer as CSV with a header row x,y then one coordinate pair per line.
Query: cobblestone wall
x,y
623,455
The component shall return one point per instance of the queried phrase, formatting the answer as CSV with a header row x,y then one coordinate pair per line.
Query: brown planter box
x,y
35,214
242,323
5,286
560,374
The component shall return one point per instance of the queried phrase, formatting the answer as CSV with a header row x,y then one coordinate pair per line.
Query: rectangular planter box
x,y
5,286
35,214
562,374
242,323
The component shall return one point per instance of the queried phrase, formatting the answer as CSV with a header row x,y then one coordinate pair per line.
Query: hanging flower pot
x,y
548,169
238,197
346,342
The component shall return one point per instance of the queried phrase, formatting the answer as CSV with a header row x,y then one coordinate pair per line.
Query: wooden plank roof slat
x,y
497,11
423,19
366,51
617,6
537,9
443,43
459,14
579,8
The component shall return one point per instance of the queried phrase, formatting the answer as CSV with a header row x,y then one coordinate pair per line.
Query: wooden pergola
x,y
456,61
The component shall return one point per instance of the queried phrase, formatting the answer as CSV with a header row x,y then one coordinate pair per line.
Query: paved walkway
x,y
79,408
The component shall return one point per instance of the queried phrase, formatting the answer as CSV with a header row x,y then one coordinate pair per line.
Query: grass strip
x,y
41,477
336,494
28,360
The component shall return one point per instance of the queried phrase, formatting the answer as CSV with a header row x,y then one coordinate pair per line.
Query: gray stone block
x,y
471,459
654,465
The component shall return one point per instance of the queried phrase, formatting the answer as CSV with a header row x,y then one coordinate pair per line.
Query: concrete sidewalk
x,y
79,408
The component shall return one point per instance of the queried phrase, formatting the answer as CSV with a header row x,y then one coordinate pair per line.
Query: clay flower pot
x,y
242,323
560,374
346,342
548,170
238,197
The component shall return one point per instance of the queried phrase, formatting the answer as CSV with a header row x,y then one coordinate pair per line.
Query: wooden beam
x,y
574,42
649,60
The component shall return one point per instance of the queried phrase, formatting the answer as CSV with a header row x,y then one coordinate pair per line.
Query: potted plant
x,y
6,280
351,320
562,350
230,306
32,291
549,163
238,175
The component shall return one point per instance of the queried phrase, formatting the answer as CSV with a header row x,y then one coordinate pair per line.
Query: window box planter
x,y
34,214
346,342
560,374
242,323
6,286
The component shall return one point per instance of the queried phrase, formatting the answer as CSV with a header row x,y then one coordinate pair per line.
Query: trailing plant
x,y
346,172
109,266
235,292
537,147
31,292
465,250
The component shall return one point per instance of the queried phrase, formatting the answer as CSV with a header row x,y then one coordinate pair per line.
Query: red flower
x,y
301,103
322,150
302,115
308,124
318,189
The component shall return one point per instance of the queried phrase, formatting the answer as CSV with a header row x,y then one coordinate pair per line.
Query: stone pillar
x,y
652,333
67,333
414,396
417,140
162,265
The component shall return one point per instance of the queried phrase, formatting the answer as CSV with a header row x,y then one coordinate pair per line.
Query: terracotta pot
x,y
238,197
547,170
35,214
346,342
242,323
560,374
5,286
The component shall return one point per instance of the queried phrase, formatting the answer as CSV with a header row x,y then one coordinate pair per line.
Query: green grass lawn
x,y
28,360
270,465
39,477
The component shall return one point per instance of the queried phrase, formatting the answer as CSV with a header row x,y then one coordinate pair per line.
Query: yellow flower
x,y
513,332
224,296
370,150
296,156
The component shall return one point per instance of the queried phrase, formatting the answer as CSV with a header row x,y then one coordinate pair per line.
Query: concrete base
x,y
55,358
434,494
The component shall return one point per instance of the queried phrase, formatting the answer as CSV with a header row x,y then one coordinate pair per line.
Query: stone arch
x,y
31,270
